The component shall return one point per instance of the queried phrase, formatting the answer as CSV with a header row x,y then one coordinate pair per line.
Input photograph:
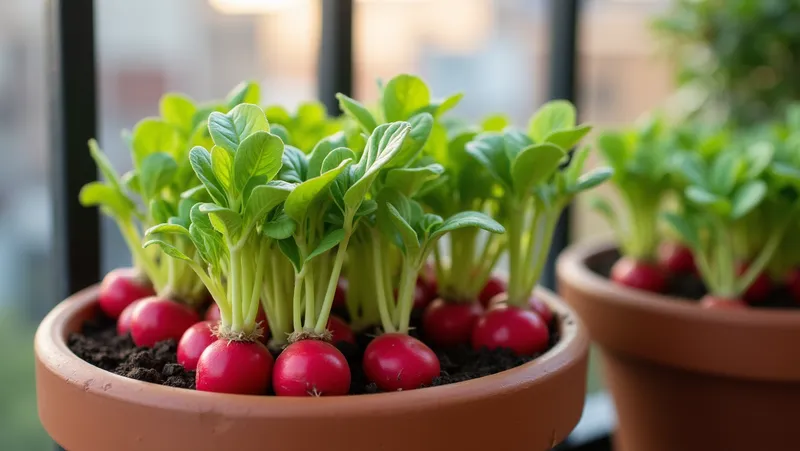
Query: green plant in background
x,y
306,127
743,55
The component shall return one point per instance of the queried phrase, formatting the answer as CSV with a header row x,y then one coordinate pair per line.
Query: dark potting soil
x,y
98,344
689,286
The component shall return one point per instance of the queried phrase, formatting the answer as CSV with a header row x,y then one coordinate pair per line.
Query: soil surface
x,y
690,287
98,344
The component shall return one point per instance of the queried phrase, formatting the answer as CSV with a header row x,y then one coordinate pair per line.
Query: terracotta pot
x,y
686,378
528,408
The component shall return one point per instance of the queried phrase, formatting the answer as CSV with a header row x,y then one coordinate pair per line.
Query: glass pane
x,y
25,203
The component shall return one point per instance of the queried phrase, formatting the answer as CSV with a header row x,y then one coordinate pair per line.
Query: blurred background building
x,y
496,51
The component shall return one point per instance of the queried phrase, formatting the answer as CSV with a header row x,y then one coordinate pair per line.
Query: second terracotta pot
x,y
528,408
685,378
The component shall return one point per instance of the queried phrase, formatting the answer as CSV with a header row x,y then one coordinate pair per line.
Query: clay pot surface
x,y
683,377
84,408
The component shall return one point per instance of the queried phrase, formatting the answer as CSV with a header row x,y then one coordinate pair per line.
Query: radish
x,y
450,323
760,289
676,258
235,367
340,330
400,362
340,296
124,320
541,307
639,274
793,283
193,342
156,319
719,303
493,287
424,294
520,330
119,289
311,368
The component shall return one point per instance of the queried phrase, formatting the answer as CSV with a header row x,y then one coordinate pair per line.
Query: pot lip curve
x,y
573,270
53,355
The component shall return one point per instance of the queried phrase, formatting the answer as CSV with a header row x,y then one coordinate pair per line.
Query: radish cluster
x,y
303,239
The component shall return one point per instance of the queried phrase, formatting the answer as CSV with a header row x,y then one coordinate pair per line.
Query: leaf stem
x,y
386,318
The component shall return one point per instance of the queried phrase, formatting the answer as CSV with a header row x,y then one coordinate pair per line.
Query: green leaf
x,y
300,199
421,126
604,208
724,172
173,229
156,172
567,139
294,167
336,157
592,179
430,222
409,180
168,249
153,135
104,165
279,228
759,157
384,143
685,230
277,114
358,112
495,123
259,154
534,165
200,160
576,164
244,92
615,150
281,132
447,104
321,151
222,166
515,141
407,234
488,149
229,130
552,116
747,197
130,180
702,197
264,198
466,219
201,220
101,194
178,110
292,252
160,210
197,193
224,221
403,95
328,242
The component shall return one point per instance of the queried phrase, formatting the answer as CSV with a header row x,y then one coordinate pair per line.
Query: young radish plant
x,y
309,124
327,206
535,190
733,189
638,158
161,172
395,360
238,174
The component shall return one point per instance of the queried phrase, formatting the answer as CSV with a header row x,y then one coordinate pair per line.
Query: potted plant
x,y
262,225
708,365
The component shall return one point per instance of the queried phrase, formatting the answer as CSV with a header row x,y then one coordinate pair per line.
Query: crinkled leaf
x,y
259,154
321,151
178,110
685,230
156,172
358,112
534,165
405,231
466,219
152,135
201,220
294,167
101,194
222,166
264,198
567,139
747,197
224,221
551,117
403,95
244,92
292,252
488,149
328,242
384,143
168,249
409,180
300,199
514,141
201,163
230,129
421,126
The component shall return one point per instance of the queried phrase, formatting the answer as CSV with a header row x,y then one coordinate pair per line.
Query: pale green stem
x,y
386,318
408,279
322,321
235,283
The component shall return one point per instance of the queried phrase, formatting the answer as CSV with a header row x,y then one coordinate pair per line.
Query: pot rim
x,y
51,348
755,344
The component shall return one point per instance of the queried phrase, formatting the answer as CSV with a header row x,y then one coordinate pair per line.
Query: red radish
x,y
212,314
520,330
718,303
424,293
119,289
541,307
759,290
450,323
155,319
639,274
676,258
400,362
311,368
340,331
124,320
793,283
235,367
193,342
340,295
493,287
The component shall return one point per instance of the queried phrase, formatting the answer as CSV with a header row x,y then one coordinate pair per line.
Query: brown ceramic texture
x,y
528,408
685,378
